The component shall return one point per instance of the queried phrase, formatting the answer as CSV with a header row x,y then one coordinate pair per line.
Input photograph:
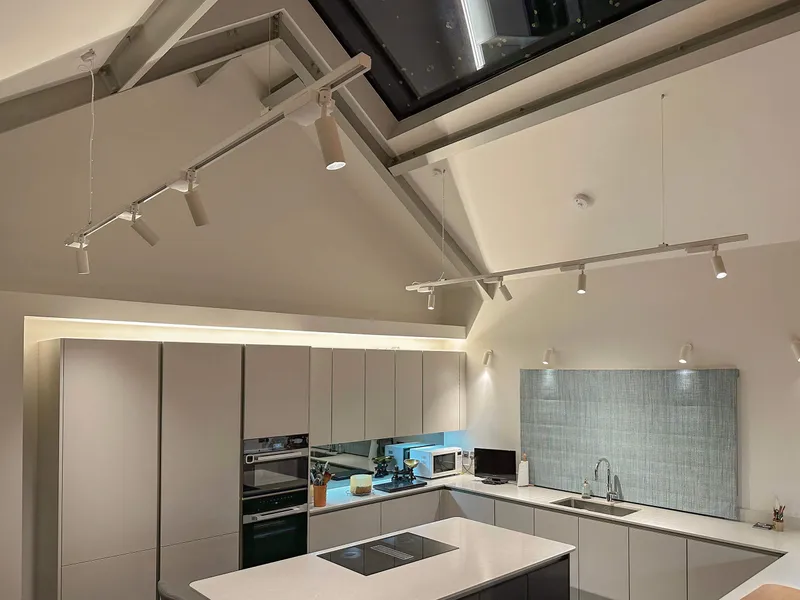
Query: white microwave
x,y
437,461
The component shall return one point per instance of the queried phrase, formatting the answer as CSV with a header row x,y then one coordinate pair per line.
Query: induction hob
x,y
387,553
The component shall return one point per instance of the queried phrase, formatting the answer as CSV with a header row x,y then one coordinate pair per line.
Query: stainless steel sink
x,y
597,507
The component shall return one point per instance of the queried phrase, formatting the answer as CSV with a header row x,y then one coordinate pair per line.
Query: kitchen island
x,y
447,560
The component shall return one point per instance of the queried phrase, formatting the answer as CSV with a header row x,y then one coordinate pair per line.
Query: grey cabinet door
x,y
200,441
516,517
109,448
409,511
468,506
379,394
276,383
715,570
341,527
127,577
348,396
604,560
440,391
657,565
181,564
563,528
321,389
408,392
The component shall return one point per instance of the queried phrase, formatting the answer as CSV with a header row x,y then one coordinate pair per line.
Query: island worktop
x,y
484,556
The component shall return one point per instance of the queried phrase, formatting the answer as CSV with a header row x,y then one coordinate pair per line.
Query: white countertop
x,y
485,554
785,571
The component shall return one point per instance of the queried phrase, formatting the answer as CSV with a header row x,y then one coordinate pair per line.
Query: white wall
x,y
637,317
18,377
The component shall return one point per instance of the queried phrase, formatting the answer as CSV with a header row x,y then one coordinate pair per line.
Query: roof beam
x,y
758,29
147,43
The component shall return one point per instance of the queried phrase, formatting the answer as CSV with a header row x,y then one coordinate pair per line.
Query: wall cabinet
x,y
408,393
320,392
409,511
126,577
516,517
341,527
379,417
440,391
276,390
604,560
657,565
468,506
182,564
563,528
715,570
348,396
200,441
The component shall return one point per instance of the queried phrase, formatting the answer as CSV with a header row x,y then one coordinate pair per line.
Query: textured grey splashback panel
x,y
671,436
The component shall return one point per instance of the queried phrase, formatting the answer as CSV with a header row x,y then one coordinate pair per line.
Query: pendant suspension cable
x,y
443,174
663,183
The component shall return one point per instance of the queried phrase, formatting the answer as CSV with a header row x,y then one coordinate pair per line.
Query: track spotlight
x,y
505,291
686,354
719,265
487,357
328,134
796,349
582,280
142,228
195,204
548,356
82,258
431,300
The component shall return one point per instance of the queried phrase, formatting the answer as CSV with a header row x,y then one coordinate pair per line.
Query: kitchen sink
x,y
597,507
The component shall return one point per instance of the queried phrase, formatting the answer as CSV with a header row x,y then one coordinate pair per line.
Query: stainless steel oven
x,y
276,464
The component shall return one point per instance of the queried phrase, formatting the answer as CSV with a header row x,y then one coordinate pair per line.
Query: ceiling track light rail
x,y
710,245
187,183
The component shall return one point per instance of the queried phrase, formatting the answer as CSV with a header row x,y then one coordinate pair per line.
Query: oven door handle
x,y
253,458
277,514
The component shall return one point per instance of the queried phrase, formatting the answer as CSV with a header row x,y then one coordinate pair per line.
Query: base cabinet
x,y
516,517
715,570
126,577
562,528
341,527
657,566
182,564
409,511
546,583
604,560
468,506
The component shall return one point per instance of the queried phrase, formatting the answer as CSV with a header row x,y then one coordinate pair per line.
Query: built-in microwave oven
x,y
437,461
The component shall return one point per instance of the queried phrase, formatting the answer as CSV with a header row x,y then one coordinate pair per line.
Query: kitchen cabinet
x,y
320,392
715,570
347,410
516,517
200,441
379,395
657,565
184,563
604,560
127,577
276,390
341,527
514,589
468,506
440,391
408,393
563,528
110,435
409,511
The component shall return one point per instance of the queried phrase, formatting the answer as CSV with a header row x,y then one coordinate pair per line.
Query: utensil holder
x,y
320,495
777,525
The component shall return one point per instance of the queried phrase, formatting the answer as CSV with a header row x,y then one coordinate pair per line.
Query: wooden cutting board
x,y
774,592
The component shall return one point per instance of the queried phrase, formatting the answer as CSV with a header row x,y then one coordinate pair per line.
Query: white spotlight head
x,y
143,229
686,354
505,291
548,356
719,265
487,357
328,134
796,349
195,204
582,281
82,258
431,300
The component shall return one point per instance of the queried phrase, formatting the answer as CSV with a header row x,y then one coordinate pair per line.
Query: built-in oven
x,y
274,499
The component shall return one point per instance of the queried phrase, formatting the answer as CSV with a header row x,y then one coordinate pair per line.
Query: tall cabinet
x,y
200,461
98,469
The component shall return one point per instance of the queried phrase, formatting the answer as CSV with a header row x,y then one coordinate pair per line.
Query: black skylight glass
x,y
425,51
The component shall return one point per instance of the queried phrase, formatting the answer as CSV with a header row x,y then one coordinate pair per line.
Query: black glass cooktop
x,y
387,553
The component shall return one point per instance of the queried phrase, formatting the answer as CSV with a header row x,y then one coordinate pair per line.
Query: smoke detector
x,y
583,201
